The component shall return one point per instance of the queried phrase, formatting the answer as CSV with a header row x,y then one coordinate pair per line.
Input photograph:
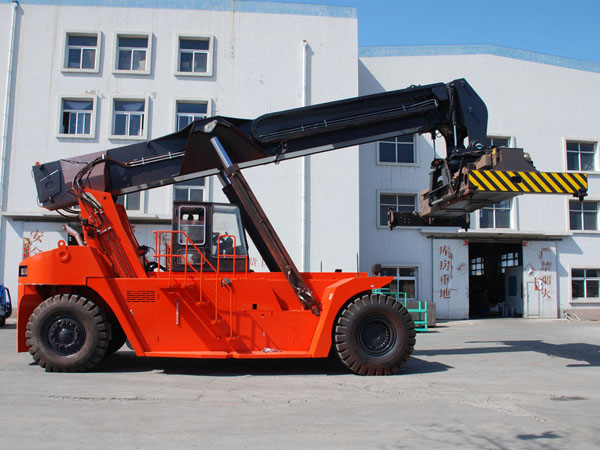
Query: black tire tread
x,y
343,343
42,354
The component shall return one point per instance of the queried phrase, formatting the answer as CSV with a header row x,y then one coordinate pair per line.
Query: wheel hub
x,y
66,335
376,336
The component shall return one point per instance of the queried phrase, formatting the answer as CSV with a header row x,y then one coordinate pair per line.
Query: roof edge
x,y
478,49
243,6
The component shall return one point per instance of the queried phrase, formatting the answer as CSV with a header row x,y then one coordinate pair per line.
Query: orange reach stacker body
x,y
193,314
257,315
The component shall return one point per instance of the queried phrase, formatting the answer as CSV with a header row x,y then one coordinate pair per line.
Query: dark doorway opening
x,y
488,262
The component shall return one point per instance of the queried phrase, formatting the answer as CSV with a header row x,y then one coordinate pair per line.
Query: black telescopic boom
x,y
187,154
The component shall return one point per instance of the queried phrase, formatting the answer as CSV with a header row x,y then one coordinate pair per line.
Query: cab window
x,y
228,232
192,223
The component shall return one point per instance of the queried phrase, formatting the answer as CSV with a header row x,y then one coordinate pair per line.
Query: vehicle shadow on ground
x,y
587,355
127,361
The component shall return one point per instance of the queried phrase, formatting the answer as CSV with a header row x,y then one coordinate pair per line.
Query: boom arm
x,y
454,110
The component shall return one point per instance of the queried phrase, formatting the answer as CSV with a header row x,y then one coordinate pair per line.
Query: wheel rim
x,y
65,335
377,336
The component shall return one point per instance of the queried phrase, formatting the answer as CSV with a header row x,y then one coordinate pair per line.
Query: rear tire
x,y
374,335
117,337
67,333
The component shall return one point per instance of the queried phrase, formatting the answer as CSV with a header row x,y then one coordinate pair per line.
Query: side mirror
x,y
376,269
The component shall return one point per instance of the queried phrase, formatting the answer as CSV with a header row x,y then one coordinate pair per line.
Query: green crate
x,y
420,311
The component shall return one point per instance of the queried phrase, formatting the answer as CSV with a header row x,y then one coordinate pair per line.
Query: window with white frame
x,y
496,141
189,191
194,55
81,52
510,259
192,223
583,215
131,202
585,283
77,116
129,117
133,53
477,266
399,149
188,111
397,202
405,281
496,215
581,156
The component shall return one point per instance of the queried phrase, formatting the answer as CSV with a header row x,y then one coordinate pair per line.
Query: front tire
x,y
67,333
374,335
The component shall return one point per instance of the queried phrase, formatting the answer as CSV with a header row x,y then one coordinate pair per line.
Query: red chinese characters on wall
x,y
544,281
446,258
31,244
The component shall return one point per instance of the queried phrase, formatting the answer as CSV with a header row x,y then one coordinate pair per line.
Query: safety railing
x,y
419,312
171,258
234,256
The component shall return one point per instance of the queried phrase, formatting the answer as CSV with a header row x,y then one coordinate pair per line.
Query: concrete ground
x,y
497,383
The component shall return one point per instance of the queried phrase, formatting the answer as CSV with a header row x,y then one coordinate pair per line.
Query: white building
x,y
539,253
87,76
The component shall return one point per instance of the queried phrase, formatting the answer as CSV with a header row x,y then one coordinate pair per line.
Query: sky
x,y
567,28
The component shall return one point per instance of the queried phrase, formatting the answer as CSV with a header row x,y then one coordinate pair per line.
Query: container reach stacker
x,y
194,295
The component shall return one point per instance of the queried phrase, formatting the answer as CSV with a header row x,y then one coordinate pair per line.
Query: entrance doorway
x,y
488,266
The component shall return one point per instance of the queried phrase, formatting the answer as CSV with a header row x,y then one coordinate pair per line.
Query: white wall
x,y
539,105
257,69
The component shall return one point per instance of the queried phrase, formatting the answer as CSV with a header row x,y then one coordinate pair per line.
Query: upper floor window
x,y
583,215
129,118
133,53
495,141
77,117
194,55
131,202
496,215
398,202
581,156
81,52
189,191
400,149
585,283
188,111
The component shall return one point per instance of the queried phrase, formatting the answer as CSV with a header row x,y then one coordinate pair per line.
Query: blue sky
x,y
568,28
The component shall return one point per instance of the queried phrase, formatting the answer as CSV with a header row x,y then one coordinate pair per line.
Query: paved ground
x,y
498,383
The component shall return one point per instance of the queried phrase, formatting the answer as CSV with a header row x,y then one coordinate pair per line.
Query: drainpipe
x,y
7,96
304,173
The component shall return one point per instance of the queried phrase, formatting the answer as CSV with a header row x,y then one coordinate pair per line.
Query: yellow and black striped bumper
x,y
529,182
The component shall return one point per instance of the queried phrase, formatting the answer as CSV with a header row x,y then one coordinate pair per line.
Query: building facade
x,y
534,256
86,76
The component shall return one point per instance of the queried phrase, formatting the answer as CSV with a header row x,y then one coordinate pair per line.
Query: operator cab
x,y
208,234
